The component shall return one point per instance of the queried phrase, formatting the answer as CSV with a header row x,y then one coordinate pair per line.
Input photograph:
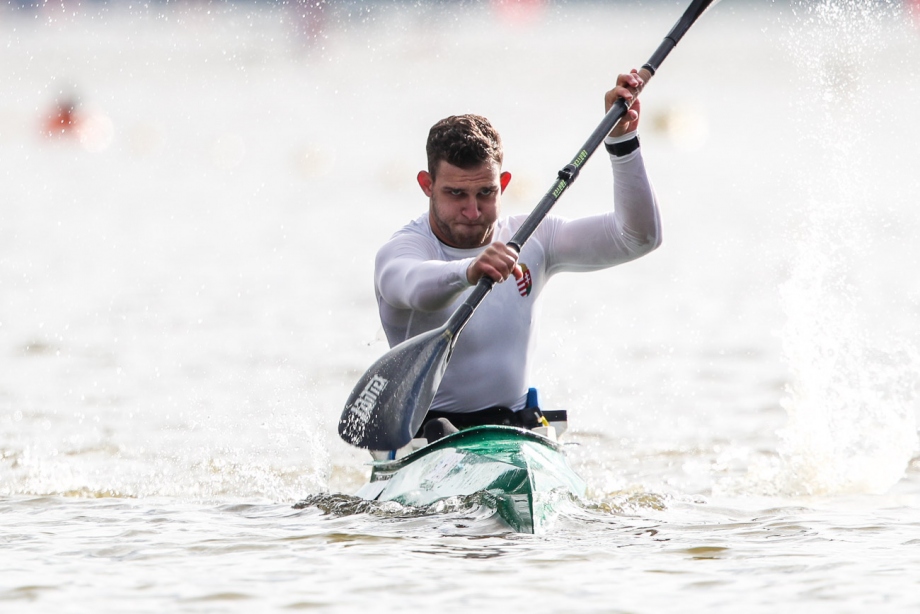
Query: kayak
x,y
526,472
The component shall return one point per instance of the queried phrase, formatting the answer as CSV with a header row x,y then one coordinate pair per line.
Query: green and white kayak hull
x,y
525,472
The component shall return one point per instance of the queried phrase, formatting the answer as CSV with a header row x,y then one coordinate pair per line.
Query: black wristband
x,y
621,149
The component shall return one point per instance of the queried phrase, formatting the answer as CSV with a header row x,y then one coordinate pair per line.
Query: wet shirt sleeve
x,y
408,276
631,230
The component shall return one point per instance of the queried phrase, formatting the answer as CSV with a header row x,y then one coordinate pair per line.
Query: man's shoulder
x,y
509,225
419,227
413,238
418,232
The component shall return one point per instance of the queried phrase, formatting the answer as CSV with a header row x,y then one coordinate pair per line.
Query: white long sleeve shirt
x,y
420,282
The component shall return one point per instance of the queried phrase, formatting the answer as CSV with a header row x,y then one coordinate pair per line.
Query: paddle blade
x,y
390,401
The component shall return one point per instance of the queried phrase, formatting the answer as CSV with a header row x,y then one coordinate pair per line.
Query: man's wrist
x,y
620,147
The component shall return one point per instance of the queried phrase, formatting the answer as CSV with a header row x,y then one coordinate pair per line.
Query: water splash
x,y
479,508
851,424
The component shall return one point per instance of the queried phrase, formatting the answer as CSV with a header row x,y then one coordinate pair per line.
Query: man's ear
x,y
505,179
425,182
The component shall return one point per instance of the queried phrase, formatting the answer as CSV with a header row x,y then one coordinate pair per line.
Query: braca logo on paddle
x,y
389,402
367,400
358,412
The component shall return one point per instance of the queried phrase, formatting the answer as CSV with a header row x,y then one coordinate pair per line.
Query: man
x,y
426,269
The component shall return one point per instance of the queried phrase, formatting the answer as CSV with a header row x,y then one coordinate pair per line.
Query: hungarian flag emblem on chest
x,y
525,283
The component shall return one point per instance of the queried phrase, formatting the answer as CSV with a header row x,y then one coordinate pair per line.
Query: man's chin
x,y
469,241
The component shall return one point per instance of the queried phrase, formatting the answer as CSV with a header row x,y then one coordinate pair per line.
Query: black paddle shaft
x,y
569,172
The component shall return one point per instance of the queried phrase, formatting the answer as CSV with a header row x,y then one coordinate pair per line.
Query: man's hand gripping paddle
x,y
389,403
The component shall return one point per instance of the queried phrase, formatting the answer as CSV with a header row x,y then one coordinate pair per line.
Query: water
x,y
186,302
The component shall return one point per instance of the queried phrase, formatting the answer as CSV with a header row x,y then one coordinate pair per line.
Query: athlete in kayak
x,y
426,269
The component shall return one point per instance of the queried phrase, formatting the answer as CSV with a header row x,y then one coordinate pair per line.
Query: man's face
x,y
464,203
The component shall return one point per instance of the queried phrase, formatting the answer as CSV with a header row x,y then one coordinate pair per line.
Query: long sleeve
x,y
631,230
409,278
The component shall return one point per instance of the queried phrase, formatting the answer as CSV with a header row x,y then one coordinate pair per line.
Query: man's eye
x,y
487,191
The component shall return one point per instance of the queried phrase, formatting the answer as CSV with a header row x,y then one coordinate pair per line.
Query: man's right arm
x,y
407,277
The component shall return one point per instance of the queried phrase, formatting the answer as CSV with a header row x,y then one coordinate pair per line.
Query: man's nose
x,y
471,208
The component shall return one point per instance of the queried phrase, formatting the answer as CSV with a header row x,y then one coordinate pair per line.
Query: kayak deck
x,y
525,472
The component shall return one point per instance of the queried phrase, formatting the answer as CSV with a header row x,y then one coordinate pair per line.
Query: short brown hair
x,y
465,141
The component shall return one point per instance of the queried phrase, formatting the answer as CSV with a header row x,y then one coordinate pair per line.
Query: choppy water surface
x,y
185,301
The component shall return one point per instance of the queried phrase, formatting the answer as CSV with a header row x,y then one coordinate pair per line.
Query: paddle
x,y
389,403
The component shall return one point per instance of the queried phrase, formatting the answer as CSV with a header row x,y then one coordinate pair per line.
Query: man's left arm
x,y
633,228
630,231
